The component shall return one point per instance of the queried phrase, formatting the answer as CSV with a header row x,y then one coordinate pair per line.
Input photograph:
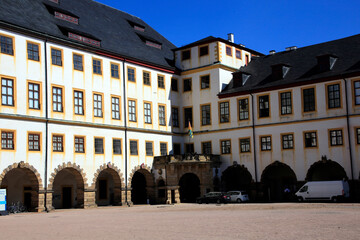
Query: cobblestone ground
x,y
190,221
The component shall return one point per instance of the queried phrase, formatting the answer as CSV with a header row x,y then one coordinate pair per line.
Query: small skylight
x,y
84,39
65,17
137,26
153,44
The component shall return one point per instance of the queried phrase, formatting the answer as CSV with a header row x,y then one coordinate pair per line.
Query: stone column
x,y
168,200
177,196
41,201
49,197
90,198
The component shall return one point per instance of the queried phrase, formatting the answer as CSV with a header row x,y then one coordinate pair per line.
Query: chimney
x,y
290,48
272,52
231,37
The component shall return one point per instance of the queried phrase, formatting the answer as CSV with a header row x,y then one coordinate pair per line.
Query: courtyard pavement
x,y
190,221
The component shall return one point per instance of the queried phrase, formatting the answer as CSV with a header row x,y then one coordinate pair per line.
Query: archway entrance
x,y
189,188
326,170
276,178
108,186
161,192
68,189
236,177
22,186
141,187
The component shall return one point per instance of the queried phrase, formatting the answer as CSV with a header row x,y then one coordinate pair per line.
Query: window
x,y
99,145
66,17
78,62
56,58
133,147
146,78
149,148
264,107
96,66
188,116
33,51
187,84
162,119
6,45
57,99
79,144
243,109
238,54
228,51
310,139
205,81
132,111
286,105
7,140
84,39
189,148
203,51
224,112
287,141
205,115
161,81
266,143
309,99
358,135
34,142
98,105
34,96
117,146
247,59
131,74
115,108
79,102
185,55
114,71
58,143
174,84
333,92
225,147
357,92
336,138
163,149
245,145
206,148
147,112
175,117
177,148
7,92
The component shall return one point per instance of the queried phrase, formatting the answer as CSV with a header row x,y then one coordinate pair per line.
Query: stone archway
x,y
275,179
161,191
108,181
68,184
23,184
142,185
189,188
325,170
236,177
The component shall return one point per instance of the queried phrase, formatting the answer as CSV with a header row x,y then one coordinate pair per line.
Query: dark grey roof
x,y
111,26
303,63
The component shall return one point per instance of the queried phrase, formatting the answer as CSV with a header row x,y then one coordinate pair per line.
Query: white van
x,y
324,190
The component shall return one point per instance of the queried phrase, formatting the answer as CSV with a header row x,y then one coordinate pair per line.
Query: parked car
x,y
324,190
213,197
238,196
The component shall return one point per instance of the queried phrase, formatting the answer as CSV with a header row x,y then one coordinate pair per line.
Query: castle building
x,y
96,107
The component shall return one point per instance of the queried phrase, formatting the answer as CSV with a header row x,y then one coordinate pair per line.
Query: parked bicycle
x,y
17,207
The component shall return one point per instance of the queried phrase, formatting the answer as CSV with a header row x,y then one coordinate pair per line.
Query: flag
x,y
190,131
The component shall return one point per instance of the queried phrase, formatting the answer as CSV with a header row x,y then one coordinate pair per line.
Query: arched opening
x,y
22,186
189,188
161,191
276,178
326,170
68,189
236,177
108,188
142,184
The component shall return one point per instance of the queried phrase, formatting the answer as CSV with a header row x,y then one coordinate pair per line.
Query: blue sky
x,y
261,25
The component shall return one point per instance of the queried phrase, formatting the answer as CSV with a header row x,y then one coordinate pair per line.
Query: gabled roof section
x,y
304,67
211,39
110,26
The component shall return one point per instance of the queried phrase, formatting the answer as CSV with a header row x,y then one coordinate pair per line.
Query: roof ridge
x,y
113,8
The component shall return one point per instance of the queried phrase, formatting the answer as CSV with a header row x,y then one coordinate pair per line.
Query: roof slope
x,y
99,21
303,66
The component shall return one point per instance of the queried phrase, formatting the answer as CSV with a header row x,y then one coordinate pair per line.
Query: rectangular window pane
x,y
161,82
79,102
114,71
7,92
163,149
96,66
57,142
334,96
79,144
116,146
225,147
132,110
175,117
244,109
205,81
310,139
98,105
205,115
131,74
245,145
187,84
206,147
174,84
7,140
188,117
56,58
33,51
146,78
57,99
99,145
264,106
133,148
6,44
286,105
147,113
309,99
162,120
149,148
224,112
78,62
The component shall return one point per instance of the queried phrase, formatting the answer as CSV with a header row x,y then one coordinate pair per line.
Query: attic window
x,y
326,62
65,17
84,39
54,1
279,71
153,44
139,28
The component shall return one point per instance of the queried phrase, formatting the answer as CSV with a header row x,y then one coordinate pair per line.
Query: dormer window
x,y
279,71
185,55
65,17
83,39
326,62
136,26
54,1
153,44
240,79
204,51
